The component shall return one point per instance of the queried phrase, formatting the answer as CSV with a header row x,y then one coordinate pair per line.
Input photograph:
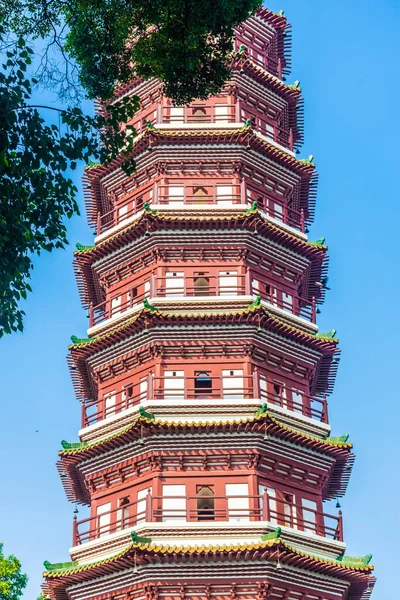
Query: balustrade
x,y
195,196
269,129
188,509
199,113
224,194
202,285
204,387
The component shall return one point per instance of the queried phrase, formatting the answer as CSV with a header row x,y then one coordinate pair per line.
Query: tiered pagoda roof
x,y
356,571
141,428
241,138
203,377
155,221
147,320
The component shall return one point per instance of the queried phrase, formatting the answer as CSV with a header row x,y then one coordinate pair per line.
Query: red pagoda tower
x,y
205,452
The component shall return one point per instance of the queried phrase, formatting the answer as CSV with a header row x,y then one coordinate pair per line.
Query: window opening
x,y
200,195
271,294
205,503
104,519
202,385
199,114
279,394
289,510
123,513
309,510
201,284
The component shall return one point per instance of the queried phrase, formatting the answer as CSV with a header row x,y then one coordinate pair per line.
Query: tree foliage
x,y
101,43
183,43
12,580
35,193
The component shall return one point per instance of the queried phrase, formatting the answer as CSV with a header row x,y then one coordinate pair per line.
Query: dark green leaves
x,y
184,43
35,192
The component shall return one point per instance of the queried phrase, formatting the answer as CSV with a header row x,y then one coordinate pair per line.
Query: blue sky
x,y
345,54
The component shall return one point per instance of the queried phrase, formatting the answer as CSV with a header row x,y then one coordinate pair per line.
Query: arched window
x,y
202,385
200,195
201,284
205,503
199,114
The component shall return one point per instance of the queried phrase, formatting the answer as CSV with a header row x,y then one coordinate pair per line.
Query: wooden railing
x,y
269,129
106,310
205,388
202,286
228,113
189,509
295,305
261,59
199,113
198,195
132,204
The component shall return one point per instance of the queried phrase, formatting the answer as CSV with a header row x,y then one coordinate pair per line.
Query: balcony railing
x,y
198,195
199,286
199,113
132,204
205,387
269,63
261,59
189,509
227,113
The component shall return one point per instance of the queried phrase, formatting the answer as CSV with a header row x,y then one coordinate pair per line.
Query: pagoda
x,y
205,453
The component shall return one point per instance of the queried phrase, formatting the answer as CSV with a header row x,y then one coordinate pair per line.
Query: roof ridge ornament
x,y
137,539
92,164
337,440
149,307
73,445
274,535
146,415
355,560
255,304
148,209
253,209
308,161
262,411
319,243
330,335
55,566
76,340
83,248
